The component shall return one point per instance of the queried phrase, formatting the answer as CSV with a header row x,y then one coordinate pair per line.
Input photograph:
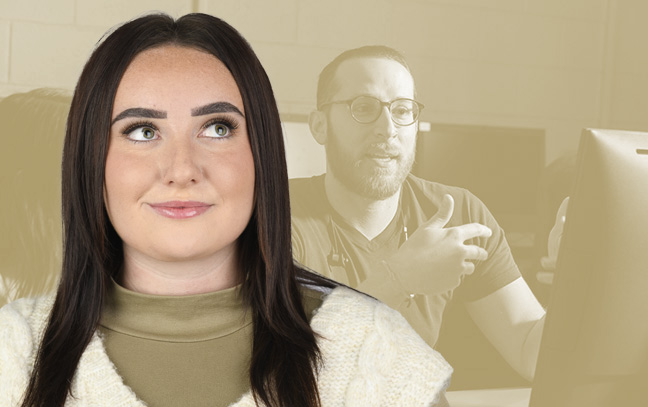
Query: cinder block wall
x,y
556,64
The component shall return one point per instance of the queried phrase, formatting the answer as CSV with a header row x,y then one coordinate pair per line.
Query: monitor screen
x,y
594,349
501,165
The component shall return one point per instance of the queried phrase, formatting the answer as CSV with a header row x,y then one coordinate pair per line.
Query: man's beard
x,y
376,182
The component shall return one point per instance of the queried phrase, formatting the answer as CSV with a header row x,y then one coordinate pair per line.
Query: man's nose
x,y
384,126
181,165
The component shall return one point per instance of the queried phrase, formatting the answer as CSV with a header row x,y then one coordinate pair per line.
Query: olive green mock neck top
x,y
182,350
179,350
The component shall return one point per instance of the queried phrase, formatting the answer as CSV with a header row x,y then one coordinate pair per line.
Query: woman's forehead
x,y
176,76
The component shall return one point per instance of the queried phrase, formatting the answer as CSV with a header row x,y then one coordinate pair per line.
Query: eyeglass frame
x,y
388,105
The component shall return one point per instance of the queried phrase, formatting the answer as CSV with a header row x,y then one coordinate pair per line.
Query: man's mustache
x,y
383,149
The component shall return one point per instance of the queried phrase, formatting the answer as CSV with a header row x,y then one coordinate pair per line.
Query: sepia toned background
x,y
550,66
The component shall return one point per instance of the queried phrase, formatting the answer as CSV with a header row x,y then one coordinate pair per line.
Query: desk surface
x,y
490,398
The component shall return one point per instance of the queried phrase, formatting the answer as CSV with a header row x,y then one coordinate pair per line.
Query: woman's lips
x,y
180,209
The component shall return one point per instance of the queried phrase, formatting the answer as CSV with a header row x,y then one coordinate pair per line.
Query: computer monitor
x,y
481,159
594,350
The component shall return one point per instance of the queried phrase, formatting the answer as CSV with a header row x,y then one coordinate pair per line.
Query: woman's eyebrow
x,y
140,112
217,107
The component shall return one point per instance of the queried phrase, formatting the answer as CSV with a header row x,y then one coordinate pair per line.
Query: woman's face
x,y
179,183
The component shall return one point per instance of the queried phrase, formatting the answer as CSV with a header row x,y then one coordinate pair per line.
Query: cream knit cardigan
x,y
371,357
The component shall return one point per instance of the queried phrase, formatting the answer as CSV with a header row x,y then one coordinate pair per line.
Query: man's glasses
x,y
367,109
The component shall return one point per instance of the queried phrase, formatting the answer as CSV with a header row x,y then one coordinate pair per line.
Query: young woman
x,y
178,285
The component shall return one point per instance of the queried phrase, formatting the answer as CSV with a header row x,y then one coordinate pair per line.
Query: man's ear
x,y
318,126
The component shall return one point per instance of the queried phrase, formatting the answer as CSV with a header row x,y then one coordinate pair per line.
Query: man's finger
x,y
476,253
468,267
443,215
562,210
473,230
548,263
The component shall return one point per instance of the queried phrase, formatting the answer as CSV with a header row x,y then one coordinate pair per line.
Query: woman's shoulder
x,y
351,307
333,303
372,354
25,314
23,320
21,324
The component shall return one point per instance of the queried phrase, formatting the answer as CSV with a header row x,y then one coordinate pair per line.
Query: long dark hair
x,y
285,355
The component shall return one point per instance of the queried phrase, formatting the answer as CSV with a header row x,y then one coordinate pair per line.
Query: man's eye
x,y
401,111
218,130
142,134
364,108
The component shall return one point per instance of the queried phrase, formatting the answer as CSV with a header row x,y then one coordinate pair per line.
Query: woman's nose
x,y
181,165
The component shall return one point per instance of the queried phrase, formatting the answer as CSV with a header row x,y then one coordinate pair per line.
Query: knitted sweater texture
x,y
371,357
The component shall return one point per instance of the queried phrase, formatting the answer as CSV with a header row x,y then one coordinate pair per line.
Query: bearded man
x,y
414,244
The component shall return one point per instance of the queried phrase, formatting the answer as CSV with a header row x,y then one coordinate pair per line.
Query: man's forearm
x,y
531,348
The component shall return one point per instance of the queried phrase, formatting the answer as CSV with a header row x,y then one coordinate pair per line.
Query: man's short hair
x,y
325,85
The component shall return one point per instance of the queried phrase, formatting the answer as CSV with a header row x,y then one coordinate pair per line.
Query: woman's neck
x,y
196,276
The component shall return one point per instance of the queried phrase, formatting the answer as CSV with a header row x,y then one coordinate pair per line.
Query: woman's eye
x,y
218,130
142,134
